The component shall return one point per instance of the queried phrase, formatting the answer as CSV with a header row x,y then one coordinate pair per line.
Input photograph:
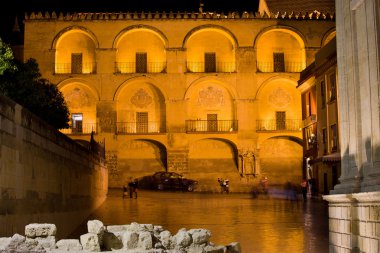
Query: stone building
x,y
318,86
354,203
205,94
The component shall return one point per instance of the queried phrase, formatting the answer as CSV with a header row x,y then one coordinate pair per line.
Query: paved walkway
x,y
263,225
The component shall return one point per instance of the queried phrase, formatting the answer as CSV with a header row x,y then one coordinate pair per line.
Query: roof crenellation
x,y
315,15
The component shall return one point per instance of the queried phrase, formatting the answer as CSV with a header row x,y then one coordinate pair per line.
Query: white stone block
x,y
40,230
4,242
200,236
214,249
130,240
182,239
374,245
145,241
117,228
69,245
95,227
45,242
90,242
166,239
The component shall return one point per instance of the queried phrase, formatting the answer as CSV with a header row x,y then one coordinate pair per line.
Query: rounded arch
x,y
218,28
206,150
330,34
227,141
286,77
212,79
140,27
144,79
72,29
287,167
82,82
288,29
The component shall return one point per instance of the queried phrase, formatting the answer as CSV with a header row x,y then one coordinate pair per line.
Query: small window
x,y
76,63
278,62
210,62
324,140
280,120
141,63
77,122
142,122
333,138
212,122
308,104
332,87
323,94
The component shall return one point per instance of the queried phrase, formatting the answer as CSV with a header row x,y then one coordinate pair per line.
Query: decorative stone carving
x,y
280,98
141,99
77,98
211,97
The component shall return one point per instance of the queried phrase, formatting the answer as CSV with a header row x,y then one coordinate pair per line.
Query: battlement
x,y
171,15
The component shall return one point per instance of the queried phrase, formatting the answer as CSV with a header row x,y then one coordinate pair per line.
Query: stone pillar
x,y
354,222
354,206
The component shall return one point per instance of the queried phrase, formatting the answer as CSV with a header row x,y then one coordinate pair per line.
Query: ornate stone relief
x,y
280,97
141,99
211,96
77,98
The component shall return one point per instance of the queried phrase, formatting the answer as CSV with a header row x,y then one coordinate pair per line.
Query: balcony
x,y
79,129
292,125
218,67
288,67
211,126
309,120
139,128
68,68
130,67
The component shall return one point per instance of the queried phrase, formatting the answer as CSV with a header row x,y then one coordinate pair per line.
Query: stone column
x,y
354,206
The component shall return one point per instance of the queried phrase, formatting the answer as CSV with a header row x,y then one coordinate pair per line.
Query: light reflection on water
x,y
260,225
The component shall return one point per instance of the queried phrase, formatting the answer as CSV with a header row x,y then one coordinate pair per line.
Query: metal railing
x,y
85,128
67,68
130,67
289,67
275,125
194,126
220,67
139,127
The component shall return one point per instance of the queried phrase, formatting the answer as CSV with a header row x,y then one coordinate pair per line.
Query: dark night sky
x,y
19,7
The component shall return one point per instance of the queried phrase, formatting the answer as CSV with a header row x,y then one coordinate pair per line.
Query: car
x,y
163,180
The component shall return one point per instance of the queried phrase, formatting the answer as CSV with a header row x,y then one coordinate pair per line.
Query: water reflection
x,y
259,224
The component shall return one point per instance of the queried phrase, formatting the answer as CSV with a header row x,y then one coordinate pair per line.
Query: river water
x,y
264,224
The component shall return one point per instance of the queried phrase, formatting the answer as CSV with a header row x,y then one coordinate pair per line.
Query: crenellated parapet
x,y
178,15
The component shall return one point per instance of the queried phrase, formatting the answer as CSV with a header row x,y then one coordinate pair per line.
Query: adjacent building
x,y
318,86
206,94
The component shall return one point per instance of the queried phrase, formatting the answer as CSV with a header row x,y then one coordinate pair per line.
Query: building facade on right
x,y
321,152
354,203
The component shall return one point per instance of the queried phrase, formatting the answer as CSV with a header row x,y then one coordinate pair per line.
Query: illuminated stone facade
x,y
204,94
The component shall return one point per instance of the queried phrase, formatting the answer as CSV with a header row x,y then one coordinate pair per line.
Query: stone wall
x,y
44,175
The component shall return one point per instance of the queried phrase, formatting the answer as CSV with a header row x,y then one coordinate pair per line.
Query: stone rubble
x,y
132,238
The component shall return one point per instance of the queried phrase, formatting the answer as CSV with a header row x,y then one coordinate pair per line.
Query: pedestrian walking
x,y
264,184
125,191
130,187
221,184
135,187
304,189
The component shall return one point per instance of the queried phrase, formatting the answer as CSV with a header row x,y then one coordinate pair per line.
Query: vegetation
x,y
22,83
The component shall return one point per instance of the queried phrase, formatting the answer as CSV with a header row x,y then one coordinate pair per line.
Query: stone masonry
x,y
131,238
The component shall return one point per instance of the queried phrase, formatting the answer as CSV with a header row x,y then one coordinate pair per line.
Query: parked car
x,y
167,181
